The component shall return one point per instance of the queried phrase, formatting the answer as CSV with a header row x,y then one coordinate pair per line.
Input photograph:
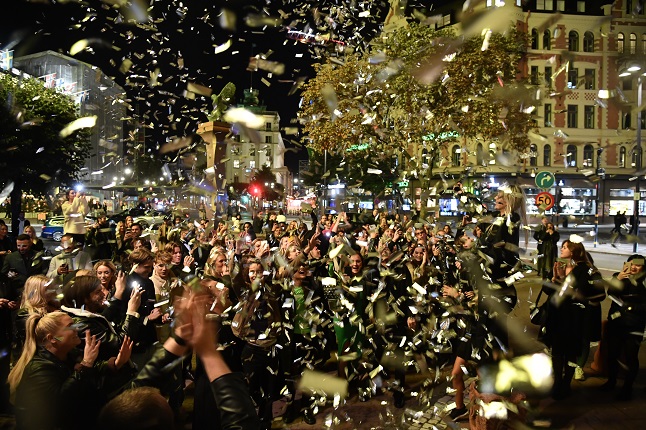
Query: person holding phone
x,y
74,209
626,323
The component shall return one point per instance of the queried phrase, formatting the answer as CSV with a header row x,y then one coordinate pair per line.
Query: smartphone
x,y
627,266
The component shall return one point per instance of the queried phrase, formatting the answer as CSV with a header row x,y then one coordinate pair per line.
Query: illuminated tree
x,y
35,156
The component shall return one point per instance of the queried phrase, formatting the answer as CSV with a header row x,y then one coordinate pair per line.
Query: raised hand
x,y
135,300
124,353
91,350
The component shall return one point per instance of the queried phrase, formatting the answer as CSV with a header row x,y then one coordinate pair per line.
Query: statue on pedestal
x,y
222,101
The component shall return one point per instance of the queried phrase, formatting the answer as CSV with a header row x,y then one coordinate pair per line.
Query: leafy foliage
x,y
31,118
419,81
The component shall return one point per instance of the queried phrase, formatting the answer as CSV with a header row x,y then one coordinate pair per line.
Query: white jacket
x,y
75,215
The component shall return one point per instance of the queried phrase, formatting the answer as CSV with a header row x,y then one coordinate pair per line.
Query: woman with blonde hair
x,y
38,297
52,386
37,243
106,271
501,244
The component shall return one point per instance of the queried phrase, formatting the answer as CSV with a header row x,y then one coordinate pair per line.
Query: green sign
x,y
545,180
403,184
445,135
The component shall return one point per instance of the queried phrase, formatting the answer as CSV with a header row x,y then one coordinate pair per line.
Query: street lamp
x,y
638,150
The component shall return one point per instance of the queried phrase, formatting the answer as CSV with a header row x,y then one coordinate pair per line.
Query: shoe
x,y
608,386
579,374
308,417
290,415
457,414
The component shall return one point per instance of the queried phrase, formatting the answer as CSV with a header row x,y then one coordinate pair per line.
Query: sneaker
x,y
457,414
579,374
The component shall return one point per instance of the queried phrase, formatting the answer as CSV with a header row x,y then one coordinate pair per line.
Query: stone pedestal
x,y
213,133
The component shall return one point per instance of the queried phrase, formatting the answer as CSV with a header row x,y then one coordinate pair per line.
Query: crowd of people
x,y
113,322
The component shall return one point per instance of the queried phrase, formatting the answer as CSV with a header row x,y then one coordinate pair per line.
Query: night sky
x,y
180,39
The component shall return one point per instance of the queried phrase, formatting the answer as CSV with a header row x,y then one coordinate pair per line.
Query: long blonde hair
x,y
37,328
34,296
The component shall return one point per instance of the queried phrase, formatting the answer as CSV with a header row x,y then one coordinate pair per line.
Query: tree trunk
x,y
16,206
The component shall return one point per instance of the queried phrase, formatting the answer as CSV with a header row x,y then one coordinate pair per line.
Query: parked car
x,y
150,218
53,228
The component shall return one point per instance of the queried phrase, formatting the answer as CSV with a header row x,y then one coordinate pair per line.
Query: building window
x,y
268,139
547,114
547,39
633,43
620,43
634,158
622,156
534,38
644,43
560,5
446,20
589,117
235,150
236,164
589,79
572,78
455,156
580,6
548,76
629,7
252,150
547,155
627,83
533,75
588,41
573,41
252,164
480,155
572,116
540,4
571,156
533,155
268,152
627,122
236,179
267,126
588,155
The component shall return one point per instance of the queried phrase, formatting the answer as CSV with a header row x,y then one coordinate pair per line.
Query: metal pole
x,y
638,164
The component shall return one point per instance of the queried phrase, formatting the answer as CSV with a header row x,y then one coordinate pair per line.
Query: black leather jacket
x,y
108,332
53,395
230,391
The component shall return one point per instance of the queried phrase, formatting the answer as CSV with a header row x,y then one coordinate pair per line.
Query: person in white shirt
x,y
68,262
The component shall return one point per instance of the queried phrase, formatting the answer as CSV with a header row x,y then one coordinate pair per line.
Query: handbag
x,y
538,314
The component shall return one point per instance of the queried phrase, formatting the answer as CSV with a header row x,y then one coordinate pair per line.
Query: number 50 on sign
x,y
545,199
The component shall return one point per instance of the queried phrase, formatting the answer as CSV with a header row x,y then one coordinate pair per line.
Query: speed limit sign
x,y
545,199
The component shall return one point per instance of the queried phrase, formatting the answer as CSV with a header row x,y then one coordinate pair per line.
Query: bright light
x,y
114,178
296,180
127,171
79,187
634,68
147,182
624,74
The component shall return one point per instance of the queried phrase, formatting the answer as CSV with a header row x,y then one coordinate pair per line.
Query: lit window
x,y
571,155
560,5
633,43
236,164
620,43
533,155
622,157
588,155
580,6
252,164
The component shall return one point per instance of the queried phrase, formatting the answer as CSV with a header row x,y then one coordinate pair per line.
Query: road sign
x,y
545,180
545,199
